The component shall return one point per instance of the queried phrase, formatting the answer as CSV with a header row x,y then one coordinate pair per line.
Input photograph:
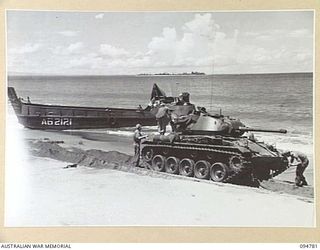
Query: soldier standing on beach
x,y
137,137
302,163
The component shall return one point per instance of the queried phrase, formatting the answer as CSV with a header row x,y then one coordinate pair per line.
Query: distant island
x,y
172,74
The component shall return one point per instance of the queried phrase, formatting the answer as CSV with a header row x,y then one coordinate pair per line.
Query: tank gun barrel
x,y
247,129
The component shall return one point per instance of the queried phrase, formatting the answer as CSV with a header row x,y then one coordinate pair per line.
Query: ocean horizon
x,y
23,74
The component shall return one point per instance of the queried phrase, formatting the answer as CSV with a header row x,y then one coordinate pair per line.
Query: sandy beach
x,y
40,191
104,197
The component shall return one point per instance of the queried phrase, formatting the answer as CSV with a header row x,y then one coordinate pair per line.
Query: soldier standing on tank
x,y
302,164
163,118
137,137
180,100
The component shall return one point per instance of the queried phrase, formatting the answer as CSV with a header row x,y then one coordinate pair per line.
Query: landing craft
x,y
55,117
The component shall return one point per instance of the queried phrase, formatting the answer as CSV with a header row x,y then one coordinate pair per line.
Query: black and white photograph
x,y
160,118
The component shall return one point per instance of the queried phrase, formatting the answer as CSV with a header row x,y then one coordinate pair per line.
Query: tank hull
x,y
215,160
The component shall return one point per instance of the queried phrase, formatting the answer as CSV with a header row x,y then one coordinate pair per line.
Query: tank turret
x,y
185,119
223,125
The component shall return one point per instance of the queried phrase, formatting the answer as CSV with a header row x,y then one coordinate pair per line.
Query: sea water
x,y
270,101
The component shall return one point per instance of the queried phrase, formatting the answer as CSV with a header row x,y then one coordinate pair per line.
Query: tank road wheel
x,y
172,165
147,154
186,167
202,169
158,163
218,172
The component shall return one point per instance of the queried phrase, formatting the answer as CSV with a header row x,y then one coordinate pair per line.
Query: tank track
x,y
234,177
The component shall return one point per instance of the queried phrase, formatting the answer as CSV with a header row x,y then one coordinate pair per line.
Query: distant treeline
x,y
172,74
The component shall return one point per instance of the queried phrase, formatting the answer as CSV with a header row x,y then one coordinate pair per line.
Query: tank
x,y
210,146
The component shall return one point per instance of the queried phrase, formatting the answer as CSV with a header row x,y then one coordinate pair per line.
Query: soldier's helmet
x,y
287,153
185,96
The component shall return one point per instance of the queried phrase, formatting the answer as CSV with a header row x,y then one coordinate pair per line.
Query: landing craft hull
x,y
55,117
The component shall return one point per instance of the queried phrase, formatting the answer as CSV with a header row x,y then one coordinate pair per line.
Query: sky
x,y
125,43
